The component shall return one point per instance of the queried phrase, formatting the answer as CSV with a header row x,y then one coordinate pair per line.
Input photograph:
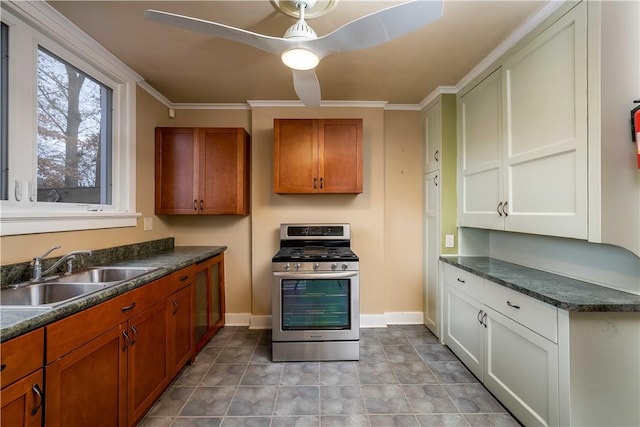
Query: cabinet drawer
x,y
70,333
463,281
535,315
21,356
180,279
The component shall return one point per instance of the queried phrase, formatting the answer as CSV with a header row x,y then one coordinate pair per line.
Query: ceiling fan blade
x,y
378,27
275,45
307,87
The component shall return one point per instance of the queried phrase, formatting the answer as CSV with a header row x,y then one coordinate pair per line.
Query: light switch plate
x,y
449,241
148,224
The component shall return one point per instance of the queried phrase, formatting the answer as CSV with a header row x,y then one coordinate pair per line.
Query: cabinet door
x,y
88,387
223,178
295,156
432,137
432,250
545,131
180,317
209,296
340,156
521,370
148,372
463,330
480,151
176,169
21,402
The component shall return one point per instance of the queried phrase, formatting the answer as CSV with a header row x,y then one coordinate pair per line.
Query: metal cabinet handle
x,y
195,205
479,316
127,340
504,209
517,307
435,155
484,320
128,307
315,180
175,307
201,205
435,180
461,280
499,209
38,393
183,278
321,183
2,367
135,336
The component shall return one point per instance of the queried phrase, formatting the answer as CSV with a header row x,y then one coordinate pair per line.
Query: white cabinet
x,y
506,339
432,249
521,370
462,323
432,136
523,137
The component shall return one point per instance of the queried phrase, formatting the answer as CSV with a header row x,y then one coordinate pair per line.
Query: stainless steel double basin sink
x,y
58,290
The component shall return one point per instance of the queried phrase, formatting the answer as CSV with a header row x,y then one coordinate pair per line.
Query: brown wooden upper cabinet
x,y
317,156
202,171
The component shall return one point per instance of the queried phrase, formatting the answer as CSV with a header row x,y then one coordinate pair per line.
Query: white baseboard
x,y
366,320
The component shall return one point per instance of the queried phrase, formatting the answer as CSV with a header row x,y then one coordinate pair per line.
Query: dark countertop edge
x,y
596,306
184,257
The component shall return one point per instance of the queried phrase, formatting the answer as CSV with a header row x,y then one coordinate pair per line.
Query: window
x,y
67,122
74,138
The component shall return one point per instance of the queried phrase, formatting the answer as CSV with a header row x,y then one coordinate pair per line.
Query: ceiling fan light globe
x,y
300,59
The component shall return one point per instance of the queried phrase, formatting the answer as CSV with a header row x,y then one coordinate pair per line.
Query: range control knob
x,y
345,266
315,265
334,265
286,267
296,266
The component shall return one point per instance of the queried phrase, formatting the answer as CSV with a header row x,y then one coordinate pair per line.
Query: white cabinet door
x,y
521,370
479,154
432,250
433,137
545,131
462,329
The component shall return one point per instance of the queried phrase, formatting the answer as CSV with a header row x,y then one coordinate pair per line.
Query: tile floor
x,y
404,378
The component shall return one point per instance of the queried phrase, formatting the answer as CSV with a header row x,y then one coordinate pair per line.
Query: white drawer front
x,y
535,315
463,281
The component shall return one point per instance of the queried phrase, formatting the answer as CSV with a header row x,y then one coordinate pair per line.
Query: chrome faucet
x,y
38,274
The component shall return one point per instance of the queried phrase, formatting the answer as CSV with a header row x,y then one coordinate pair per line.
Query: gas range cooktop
x,y
315,253
315,243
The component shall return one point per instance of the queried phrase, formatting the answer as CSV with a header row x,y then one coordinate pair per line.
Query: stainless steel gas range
x,y
316,294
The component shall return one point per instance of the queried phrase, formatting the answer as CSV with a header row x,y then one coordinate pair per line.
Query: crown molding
x,y
331,104
157,95
210,106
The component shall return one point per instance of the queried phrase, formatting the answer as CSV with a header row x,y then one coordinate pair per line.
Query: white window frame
x,y
34,24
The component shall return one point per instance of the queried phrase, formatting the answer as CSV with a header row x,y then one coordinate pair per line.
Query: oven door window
x,y
314,304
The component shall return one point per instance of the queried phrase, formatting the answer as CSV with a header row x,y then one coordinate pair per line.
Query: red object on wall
x,y
636,122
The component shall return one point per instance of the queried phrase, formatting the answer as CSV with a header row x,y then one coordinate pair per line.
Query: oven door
x,y
316,306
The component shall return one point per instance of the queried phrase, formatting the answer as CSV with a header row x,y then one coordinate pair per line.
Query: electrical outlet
x,y
449,241
148,224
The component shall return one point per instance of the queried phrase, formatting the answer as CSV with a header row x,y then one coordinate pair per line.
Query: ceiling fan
x,y
301,49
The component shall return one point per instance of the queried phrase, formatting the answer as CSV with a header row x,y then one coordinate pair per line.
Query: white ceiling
x,y
189,67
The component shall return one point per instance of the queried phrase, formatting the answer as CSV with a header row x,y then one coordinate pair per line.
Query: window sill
x,y
16,223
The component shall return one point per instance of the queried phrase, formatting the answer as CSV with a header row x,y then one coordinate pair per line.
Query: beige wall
x,y
386,218
150,113
233,231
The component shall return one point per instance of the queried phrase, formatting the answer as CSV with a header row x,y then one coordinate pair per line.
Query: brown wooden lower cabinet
x,y
209,296
180,322
21,402
88,387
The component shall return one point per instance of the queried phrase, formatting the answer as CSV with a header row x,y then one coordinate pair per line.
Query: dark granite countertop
x,y
559,291
17,321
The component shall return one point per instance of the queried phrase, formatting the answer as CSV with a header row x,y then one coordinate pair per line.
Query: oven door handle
x,y
314,275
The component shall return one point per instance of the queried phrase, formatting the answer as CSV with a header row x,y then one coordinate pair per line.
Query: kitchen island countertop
x,y
559,291
18,321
